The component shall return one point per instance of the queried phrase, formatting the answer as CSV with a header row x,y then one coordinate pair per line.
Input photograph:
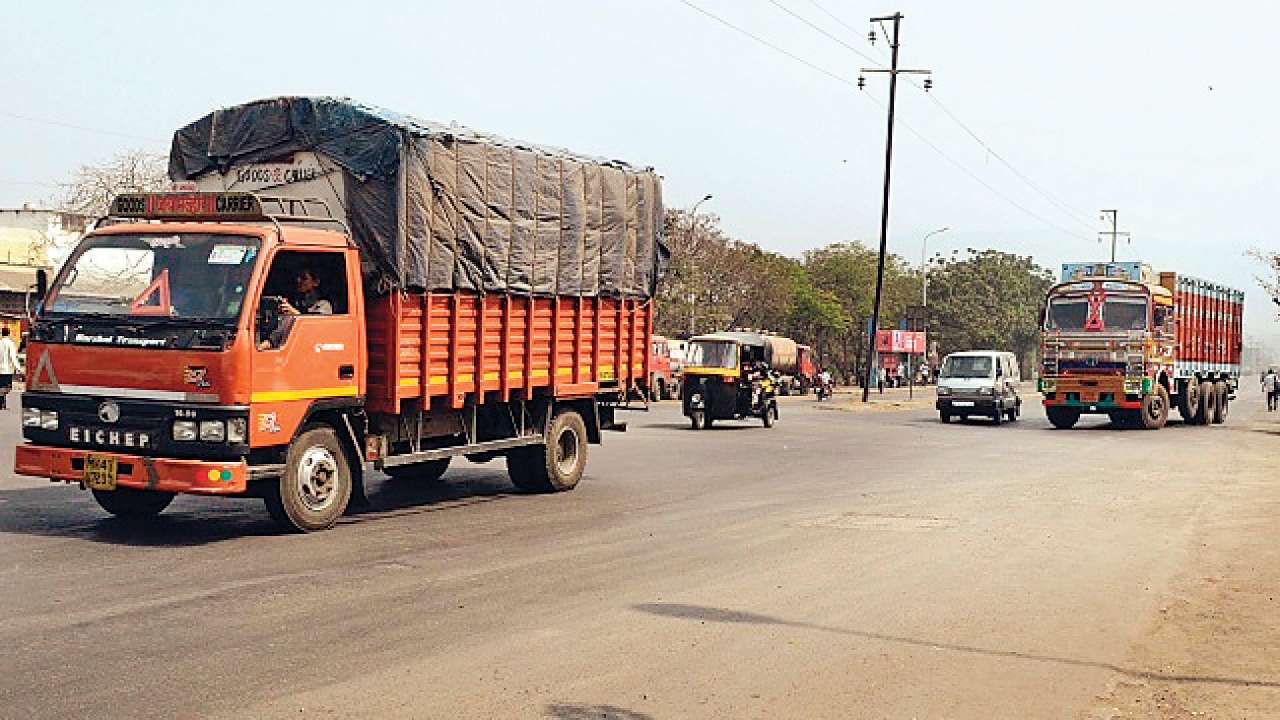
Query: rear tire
x,y
1208,403
133,504
557,465
429,471
1220,389
1155,409
315,488
1063,418
1189,402
770,415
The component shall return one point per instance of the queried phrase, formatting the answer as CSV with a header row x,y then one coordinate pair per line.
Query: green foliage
x,y
987,299
714,282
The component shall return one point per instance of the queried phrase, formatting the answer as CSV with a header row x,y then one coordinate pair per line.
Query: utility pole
x,y
1112,232
893,72
693,227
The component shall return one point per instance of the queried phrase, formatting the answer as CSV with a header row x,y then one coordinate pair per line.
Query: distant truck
x,y
664,382
1120,340
343,287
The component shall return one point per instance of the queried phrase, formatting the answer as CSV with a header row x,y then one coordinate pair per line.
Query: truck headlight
x,y
237,430
944,390
184,430
213,431
48,420
30,417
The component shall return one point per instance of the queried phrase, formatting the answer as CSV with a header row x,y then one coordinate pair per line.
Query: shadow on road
x,y
60,511
574,711
717,427
713,614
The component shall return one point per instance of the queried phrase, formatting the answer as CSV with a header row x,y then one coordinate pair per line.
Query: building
x,y
29,237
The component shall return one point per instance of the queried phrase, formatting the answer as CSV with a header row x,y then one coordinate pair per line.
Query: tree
x,y
91,187
987,299
1271,283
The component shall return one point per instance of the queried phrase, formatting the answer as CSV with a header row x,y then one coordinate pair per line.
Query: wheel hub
x,y
317,478
567,452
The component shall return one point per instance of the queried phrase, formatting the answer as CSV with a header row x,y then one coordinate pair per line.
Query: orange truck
x,y
338,289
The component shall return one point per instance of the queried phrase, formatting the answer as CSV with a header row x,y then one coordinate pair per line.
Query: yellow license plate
x,y
100,472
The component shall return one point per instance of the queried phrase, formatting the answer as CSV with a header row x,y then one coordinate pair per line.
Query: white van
x,y
981,383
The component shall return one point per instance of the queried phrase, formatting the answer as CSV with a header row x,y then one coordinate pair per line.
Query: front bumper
x,y
966,405
141,473
1090,393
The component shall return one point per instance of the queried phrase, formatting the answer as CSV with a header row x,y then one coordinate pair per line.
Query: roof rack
x,y
220,207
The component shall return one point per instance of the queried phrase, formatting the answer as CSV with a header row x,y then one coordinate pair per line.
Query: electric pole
x,y
893,72
1112,232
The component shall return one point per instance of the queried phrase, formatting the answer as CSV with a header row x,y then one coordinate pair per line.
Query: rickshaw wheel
x,y
770,415
697,419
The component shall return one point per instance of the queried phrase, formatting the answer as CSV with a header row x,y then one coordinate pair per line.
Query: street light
x,y
924,266
688,240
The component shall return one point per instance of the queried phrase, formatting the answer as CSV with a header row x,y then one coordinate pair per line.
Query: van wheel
x,y
1220,389
315,488
426,472
1208,404
1155,409
133,504
1063,418
998,415
556,465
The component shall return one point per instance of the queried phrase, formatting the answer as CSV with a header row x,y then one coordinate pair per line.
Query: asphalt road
x,y
841,564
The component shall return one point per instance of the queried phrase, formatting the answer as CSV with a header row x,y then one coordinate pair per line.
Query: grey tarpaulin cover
x,y
445,208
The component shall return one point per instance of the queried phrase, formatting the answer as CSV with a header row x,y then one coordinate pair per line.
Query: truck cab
x,y
166,356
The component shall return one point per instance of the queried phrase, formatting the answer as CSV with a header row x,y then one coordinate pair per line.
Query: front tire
x,y
1155,409
697,420
315,488
1063,418
770,415
556,465
133,504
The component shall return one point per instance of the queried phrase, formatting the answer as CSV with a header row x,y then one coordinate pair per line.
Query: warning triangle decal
x,y
44,367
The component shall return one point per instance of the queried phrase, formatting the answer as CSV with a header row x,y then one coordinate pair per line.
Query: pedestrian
x,y
9,366
1269,388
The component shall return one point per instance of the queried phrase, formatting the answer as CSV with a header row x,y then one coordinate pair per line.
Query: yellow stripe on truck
x,y
308,394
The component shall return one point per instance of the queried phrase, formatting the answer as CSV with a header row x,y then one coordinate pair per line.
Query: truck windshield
x,y
967,366
713,354
1118,312
184,275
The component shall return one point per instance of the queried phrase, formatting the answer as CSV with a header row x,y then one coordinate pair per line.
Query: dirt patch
x,y
1214,647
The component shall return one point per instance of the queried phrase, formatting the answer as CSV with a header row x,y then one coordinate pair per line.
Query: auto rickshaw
x,y
727,377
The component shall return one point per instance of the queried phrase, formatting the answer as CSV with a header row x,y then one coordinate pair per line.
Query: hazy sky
x,y
1158,109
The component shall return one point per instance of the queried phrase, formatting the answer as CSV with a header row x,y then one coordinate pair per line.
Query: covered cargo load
x,y
782,353
440,207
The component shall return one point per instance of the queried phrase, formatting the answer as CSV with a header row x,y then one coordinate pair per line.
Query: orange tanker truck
x,y
338,288
1120,340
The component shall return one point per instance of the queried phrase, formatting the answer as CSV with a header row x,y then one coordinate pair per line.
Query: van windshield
x,y
967,366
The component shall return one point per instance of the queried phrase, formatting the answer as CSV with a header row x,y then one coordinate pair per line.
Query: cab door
x,y
314,359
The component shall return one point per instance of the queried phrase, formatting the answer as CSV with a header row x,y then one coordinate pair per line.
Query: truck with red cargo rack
x,y
664,381
1123,341
339,287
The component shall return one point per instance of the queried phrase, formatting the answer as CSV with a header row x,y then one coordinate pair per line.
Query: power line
x,y
82,128
1070,212
873,99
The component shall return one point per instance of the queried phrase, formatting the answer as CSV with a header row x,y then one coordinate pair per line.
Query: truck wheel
x,y
1155,409
426,472
315,488
1220,389
133,504
1189,402
1208,404
1063,418
659,389
558,464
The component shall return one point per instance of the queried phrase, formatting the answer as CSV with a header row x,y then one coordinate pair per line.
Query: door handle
x,y
346,372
